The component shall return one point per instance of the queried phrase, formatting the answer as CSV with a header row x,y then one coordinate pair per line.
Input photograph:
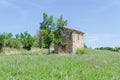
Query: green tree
x,y
8,39
59,30
36,41
2,39
27,40
85,46
13,43
17,36
46,31
8,35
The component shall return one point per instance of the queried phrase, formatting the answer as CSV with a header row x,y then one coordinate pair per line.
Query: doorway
x,y
63,48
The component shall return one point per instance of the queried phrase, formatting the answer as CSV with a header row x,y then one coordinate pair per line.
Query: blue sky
x,y
98,19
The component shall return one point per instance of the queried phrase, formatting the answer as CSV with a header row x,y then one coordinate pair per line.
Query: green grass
x,y
96,65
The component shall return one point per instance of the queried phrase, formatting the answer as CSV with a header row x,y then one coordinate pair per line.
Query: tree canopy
x,y
46,31
51,31
59,32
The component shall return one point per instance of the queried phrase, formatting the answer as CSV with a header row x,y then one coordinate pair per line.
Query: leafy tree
x,y
8,35
59,30
85,46
8,39
51,32
46,31
17,36
2,39
27,40
36,41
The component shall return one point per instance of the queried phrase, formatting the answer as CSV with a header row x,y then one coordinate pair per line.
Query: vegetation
x,y
59,30
27,40
116,49
2,39
51,32
46,32
96,65
23,40
36,42
85,46
81,51
13,43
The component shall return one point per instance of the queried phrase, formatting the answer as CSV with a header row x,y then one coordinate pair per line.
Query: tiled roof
x,y
73,30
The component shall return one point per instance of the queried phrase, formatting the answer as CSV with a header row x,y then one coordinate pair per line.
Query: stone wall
x,y
56,48
72,40
69,40
78,41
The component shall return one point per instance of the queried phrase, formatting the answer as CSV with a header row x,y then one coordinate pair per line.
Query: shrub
x,y
27,40
81,51
17,44
2,39
85,46
13,43
36,42
116,49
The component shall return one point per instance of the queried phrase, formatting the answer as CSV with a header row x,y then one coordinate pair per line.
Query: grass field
x,y
96,65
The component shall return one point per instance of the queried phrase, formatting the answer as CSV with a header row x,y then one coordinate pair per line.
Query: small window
x,y
78,36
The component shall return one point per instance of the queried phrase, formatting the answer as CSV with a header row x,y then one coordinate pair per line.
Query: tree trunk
x,y
58,49
42,42
48,49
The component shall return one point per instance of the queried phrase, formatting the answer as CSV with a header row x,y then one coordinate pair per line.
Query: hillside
x,y
96,65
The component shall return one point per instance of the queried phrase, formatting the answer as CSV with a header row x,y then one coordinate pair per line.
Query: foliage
x,y
81,51
46,34
36,42
8,35
51,32
59,30
10,41
24,40
116,49
85,46
27,40
17,36
13,43
2,39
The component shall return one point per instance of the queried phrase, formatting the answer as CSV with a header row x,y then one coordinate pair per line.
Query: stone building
x,y
72,40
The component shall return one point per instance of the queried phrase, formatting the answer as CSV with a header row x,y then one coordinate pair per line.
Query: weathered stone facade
x,y
71,41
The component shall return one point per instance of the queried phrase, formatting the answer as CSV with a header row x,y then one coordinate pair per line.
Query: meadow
x,y
95,65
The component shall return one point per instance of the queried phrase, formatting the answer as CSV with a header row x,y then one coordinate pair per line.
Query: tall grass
x,y
96,65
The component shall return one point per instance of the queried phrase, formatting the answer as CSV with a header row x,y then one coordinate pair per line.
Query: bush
x,y
2,39
13,43
17,44
36,42
27,40
116,49
81,51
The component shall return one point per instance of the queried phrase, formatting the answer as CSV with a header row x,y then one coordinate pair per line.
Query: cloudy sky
x,y
98,19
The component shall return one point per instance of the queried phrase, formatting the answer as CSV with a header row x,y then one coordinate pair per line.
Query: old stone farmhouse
x,y
72,40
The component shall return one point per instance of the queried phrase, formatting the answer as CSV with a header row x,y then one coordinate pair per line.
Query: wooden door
x,y
63,47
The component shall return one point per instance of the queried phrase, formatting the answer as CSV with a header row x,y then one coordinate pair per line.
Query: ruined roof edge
x,y
73,29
